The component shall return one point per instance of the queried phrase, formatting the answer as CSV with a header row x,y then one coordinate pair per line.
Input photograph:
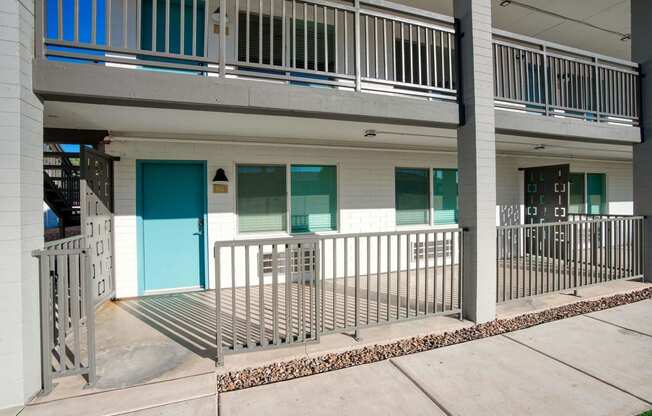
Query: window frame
x,y
432,196
429,212
337,199
586,191
239,232
287,232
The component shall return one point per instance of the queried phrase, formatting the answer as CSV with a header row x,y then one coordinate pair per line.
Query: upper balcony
x,y
364,59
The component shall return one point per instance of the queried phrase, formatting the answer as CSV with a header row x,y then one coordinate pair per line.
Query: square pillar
x,y
21,206
476,158
642,153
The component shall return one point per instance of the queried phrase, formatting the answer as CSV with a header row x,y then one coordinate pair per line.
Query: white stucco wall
x,y
365,186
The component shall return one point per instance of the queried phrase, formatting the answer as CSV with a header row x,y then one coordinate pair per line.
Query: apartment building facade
x,y
233,144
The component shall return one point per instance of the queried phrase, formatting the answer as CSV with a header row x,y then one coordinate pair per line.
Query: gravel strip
x,y
288,370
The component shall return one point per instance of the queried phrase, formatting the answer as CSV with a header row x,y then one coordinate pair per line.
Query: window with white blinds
x,y
261,198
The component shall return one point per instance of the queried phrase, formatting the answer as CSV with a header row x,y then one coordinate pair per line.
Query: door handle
x,y
200,226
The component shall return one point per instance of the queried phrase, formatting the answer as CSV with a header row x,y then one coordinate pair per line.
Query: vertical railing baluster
x,y
218,305
388,279
426,285
289,331
434,285
378,266
368,276
261,296
260,31
271,32
417,267
275,294
376,48
409,26
452,271
222,41
356,257
234,328
408,270
167,26
315,43
194,28
346,282
334,283
357,30
247,341
398,276
302,288
443,287
385,52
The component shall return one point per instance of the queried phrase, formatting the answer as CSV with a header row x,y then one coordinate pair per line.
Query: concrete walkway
x,y
597,364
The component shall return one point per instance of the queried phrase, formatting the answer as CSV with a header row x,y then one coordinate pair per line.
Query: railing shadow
x,y
188,319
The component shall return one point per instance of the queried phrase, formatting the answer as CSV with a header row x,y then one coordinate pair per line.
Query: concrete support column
x,y
642,53
476,150
21,206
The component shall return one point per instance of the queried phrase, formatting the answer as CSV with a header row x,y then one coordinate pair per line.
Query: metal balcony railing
x,y
276,292
533,76
535,259
362,45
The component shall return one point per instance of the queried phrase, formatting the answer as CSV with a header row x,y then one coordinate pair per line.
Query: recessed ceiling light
x,y
370,133
539,147
505,3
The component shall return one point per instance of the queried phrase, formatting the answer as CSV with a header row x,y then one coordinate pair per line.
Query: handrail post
x,y
46,361
90,318
218,308
357,29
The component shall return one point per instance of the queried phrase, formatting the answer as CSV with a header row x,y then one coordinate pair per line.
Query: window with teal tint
x,y
577,198
445,196
412,189
313,198
261,198
596,193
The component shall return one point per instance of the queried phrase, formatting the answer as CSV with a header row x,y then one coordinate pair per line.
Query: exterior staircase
x,y
61,185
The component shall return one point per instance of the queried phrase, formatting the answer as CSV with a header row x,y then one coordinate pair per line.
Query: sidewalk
x,y
595,364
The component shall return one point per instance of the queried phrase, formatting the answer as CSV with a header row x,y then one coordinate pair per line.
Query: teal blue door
x,y
171,205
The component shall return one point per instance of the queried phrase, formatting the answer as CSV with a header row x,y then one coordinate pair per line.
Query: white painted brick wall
x,y
21,202
365,181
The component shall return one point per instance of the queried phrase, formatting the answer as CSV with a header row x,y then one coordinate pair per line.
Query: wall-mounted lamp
x,y
220,176
216,16
220,182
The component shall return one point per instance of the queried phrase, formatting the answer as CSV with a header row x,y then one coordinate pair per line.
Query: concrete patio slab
x,y
538,303
375,389
496,376
605,351
635,316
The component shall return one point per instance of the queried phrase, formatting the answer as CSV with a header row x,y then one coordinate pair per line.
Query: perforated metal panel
x,y
97,219
546,201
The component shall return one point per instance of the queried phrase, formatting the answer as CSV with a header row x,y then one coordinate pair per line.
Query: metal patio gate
x,y
76,276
